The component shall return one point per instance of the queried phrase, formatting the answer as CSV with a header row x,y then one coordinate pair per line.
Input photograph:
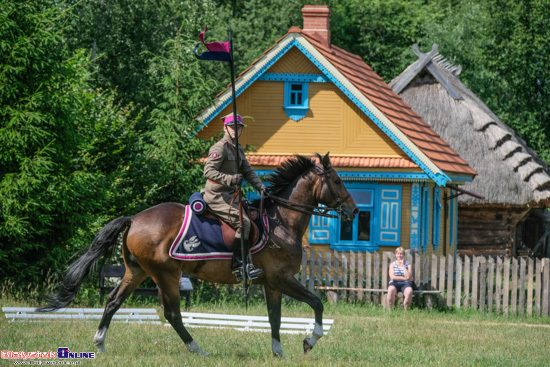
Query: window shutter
x,y
390,216
321,229
437,217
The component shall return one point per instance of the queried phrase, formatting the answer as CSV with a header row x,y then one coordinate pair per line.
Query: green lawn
x,y
361,335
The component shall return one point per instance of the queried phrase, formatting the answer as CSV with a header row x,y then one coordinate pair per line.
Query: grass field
x,y
361,335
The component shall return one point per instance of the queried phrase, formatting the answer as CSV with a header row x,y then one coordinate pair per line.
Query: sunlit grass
x,y
362,334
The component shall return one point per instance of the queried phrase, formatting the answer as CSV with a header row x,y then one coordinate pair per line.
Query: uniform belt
x,y
214,182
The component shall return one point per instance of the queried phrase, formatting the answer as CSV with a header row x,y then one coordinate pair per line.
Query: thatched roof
x,y
509,172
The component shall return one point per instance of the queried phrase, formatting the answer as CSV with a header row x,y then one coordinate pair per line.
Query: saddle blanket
x,y
200,238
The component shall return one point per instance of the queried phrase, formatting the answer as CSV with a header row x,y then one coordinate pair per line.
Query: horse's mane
x,y
287,173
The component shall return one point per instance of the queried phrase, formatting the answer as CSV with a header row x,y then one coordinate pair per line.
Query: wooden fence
x,y
503,285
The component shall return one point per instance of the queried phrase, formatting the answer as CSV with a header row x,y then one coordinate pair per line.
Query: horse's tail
x,y
103,243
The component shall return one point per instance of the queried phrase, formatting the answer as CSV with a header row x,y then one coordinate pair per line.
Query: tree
x,y
49,180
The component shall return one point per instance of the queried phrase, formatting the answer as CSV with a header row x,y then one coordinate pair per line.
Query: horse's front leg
x,y
296,290
273,299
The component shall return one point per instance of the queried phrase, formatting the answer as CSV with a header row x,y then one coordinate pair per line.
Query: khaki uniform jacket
x,y
219,169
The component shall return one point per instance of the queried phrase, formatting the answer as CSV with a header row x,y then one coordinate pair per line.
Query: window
x,y
296,103
358,232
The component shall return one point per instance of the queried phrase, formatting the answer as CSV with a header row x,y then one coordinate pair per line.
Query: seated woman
x,y
401,279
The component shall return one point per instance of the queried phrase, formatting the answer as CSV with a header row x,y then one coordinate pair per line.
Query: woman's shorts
x,y
401,285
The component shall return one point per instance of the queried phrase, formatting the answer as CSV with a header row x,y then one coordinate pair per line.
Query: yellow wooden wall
x,y
333,123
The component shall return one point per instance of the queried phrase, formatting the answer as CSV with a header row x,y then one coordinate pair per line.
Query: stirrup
x,y
252,272
238,274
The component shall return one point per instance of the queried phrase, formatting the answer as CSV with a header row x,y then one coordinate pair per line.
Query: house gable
x,y
345,87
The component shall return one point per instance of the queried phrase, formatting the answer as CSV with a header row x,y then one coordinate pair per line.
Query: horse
x,y
296,188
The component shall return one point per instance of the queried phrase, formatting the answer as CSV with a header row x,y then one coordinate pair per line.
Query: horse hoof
x,y
307,346
193,347
279,355
101,348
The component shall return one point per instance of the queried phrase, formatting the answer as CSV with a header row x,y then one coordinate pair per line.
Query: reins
x,y
310,209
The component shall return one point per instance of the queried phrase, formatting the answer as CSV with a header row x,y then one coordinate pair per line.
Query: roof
x,y
510,173
370,93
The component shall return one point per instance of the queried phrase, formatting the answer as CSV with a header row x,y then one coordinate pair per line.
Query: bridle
x,y
316,210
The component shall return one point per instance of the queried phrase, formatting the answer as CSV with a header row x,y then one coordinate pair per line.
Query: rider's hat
x,y
228,120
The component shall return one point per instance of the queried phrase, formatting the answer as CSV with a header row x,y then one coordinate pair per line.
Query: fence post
x,y
442,279
546,285
538,286
530,271
514,290
450,273
522,268
304,268
475,282
490,284
368,271
506,286
311,284
343,294
458,282
482,282
336,272
433,283
376,277
466,271
425,271
498,285
320,267
360,276
352,294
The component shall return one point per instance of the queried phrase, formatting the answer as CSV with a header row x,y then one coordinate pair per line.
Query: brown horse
x,y
297,187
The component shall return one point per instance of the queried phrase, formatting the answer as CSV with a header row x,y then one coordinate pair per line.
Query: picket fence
x,y
488,284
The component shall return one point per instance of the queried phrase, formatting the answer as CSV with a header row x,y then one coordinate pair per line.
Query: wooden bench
x,y
429,296
117,271
289,325
128,315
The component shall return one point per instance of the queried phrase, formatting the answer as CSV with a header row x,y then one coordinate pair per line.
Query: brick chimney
x,y
316,20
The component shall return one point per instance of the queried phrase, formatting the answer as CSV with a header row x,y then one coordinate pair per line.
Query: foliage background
x,y
97,97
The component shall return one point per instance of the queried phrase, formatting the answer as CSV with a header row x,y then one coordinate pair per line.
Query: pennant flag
x,y
217,51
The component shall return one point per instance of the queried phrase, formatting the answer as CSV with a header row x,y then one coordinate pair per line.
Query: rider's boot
x,y
237,260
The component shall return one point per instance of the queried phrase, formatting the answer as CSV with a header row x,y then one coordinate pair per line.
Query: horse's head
x,y
332,191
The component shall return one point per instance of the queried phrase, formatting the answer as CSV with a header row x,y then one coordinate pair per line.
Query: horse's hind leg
x,y
273,299
131,280
296,290
170,294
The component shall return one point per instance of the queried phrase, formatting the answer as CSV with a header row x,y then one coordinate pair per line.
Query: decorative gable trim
x,y
288,77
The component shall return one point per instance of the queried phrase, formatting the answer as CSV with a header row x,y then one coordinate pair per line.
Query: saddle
x,y
228,232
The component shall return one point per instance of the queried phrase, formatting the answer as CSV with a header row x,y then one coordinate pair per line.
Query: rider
x,y
222,178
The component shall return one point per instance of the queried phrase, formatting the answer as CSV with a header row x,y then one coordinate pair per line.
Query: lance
x,y
223,51
237,160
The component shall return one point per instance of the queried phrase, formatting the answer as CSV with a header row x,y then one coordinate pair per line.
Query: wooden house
x,y
513,181
309,96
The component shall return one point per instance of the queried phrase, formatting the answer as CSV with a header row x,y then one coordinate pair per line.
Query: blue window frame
x,y
296,101
377,224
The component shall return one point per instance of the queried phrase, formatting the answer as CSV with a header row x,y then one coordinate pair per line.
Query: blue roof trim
x,y
440,178
370,175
